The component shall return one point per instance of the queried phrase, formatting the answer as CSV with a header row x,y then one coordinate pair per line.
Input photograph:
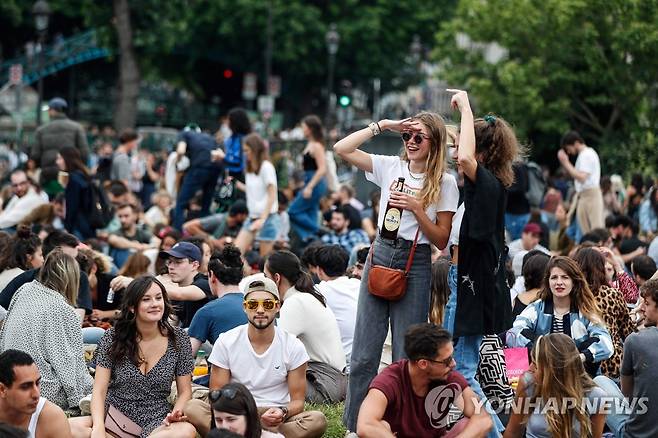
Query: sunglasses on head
x,y
215,395
418,137
252,304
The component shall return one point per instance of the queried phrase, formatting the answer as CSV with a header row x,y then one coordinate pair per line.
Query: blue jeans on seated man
x,y
514,224
467,352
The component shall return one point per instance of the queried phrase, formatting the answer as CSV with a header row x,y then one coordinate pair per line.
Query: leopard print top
x,y
619,323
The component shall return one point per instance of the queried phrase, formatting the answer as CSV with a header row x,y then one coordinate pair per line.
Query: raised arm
x,y
348,147
466,152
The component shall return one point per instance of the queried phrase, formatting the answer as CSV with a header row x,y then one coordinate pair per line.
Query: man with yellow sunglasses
x,y
269,361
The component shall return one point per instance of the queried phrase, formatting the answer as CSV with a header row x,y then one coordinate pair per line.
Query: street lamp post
x,y
41,12
333,39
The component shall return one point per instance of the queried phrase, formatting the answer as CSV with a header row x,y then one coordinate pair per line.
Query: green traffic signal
x,y
345,100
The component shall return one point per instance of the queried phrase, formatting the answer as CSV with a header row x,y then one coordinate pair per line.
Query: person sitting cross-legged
x,y
412,397
270,362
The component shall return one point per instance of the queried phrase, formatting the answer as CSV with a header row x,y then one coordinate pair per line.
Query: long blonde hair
x,y
61,273
581,295
561,378
436,159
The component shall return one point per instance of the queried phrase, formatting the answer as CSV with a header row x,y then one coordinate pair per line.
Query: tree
x,y
125,114
588,65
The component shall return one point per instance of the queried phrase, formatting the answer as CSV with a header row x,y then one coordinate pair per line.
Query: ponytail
x,y
288,265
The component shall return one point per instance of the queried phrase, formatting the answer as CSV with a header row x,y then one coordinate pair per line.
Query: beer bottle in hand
x,y
393,216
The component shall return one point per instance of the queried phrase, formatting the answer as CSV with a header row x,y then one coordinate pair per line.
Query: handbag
x,y
389,283
120,425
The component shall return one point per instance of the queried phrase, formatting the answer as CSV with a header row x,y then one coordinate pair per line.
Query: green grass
x,y
334,414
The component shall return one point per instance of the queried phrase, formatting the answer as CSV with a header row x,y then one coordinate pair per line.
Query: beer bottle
x,y
392,216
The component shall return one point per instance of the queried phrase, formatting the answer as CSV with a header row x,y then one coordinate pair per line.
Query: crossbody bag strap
x,y
410,260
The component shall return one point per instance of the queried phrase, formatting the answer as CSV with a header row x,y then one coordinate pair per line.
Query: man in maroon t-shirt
x,y
412,397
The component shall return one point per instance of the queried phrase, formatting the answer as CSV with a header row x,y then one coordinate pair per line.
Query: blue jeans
x,y
195,179
304,212
467,352
373,316
615,421
515,223
91,335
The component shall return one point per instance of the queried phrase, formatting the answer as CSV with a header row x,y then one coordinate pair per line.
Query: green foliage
x,y
589,65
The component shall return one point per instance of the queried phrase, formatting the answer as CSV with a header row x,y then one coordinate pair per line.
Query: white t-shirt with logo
x,y
588,162
386,170
265,375
257,189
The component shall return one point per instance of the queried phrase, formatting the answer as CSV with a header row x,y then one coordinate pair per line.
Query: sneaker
x,y
85,405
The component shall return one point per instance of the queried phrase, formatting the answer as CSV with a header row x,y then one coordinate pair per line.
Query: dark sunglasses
x,y
445,362
418,138
215,395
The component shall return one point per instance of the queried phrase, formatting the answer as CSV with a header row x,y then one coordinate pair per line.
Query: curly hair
x,y
126,335
436,159
227,265
496,142
22,246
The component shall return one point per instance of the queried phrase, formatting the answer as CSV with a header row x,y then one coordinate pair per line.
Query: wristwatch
x,y
285,411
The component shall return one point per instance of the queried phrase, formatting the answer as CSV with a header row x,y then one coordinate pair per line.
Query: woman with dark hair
x,y
136,362
264,221
234,162
75,177
580,401
565,305
303,210
533,271
611,303
22,254
234,409
304,311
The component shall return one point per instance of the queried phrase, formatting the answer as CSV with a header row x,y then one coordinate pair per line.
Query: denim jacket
x,y
648,220
591,339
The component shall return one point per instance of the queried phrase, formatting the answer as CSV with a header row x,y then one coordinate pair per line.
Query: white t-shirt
x,y
456,226
342,295
588,162
265,375
257,189
315,325
386,170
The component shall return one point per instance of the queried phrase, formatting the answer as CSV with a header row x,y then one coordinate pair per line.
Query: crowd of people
x,y
196,291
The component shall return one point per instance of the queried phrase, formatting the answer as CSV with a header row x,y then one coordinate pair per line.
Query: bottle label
x,y
392,219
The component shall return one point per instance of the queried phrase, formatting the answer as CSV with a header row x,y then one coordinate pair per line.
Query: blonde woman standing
x,y
428,202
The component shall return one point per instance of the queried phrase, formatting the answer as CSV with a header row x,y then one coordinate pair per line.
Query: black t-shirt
x,y
84,297
102,291
187,309
483,300
517,203
352,214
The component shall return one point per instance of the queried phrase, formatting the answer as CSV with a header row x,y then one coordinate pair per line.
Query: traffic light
x,y
345,96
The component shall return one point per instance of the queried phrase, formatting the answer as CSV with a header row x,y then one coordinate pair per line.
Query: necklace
x,y
417,178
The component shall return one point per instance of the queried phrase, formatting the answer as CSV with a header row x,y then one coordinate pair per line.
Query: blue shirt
x,y
347,240
217,317
234,161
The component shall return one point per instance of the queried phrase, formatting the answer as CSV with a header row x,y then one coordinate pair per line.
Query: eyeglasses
x,y
418,138
445,362
268,304
215,395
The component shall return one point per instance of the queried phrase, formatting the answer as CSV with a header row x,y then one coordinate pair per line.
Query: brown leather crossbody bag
x,y
389,283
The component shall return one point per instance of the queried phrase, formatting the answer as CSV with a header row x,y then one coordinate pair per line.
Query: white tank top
x,y
456,226
32,428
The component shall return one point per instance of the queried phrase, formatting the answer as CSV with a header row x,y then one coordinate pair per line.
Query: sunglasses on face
x,y
445,362
215,395
268,304
418,138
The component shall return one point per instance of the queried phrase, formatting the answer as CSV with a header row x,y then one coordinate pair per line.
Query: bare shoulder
x,y
53,422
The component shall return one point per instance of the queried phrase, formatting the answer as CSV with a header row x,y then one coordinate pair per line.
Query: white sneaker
x,y
85,405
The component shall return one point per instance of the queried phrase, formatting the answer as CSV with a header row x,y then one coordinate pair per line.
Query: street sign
x,y
250,86
274,86
16,74
265,104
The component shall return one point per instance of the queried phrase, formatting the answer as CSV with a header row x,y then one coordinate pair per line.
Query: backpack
x,y
101,211
536,184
